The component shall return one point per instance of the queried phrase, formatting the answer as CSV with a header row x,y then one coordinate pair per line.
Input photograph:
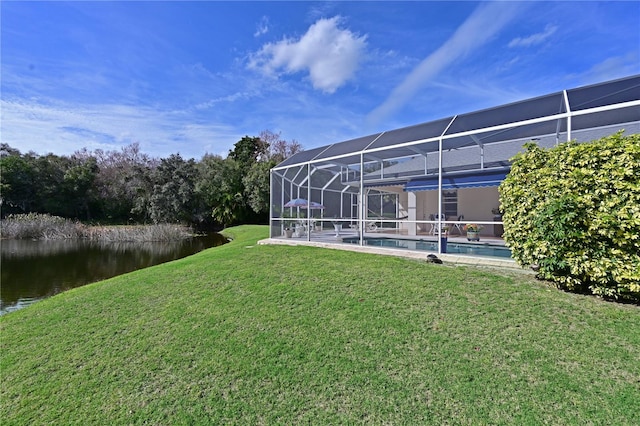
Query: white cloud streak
x,y
611,68
330,55
534,39
485,22
262,27
63,129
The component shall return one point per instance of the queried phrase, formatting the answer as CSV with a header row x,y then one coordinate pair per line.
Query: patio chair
x,y
432,226
459,226
435,229
300,230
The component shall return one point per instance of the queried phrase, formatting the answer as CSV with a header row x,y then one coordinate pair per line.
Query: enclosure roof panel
x,y
604,104
347,147
303,156
543,106
612,92
430,130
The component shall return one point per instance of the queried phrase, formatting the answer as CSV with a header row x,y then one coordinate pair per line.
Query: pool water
x,y
432,246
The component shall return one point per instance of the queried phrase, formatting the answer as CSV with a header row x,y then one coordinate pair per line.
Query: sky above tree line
x,y
195,77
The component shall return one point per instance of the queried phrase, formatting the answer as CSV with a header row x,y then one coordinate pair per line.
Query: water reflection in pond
x,y
33,270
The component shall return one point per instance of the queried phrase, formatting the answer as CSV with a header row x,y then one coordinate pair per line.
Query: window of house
x,y
450,203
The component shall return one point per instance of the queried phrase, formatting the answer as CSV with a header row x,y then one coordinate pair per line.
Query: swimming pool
x,y
432,246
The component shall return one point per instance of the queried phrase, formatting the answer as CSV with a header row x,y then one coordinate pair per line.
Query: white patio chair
x,y
435,227
459,226
301,230
432,226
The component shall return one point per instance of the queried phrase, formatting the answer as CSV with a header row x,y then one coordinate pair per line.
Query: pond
x,y
33,270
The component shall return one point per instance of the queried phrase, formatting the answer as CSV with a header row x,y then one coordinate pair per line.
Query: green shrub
x,y
573,211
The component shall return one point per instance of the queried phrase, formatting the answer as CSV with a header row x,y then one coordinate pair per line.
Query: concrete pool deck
x,y
330,241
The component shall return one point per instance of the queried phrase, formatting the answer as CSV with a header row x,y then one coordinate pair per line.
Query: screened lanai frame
x,y
345,177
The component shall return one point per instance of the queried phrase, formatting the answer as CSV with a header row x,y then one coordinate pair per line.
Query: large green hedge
x,y
573,211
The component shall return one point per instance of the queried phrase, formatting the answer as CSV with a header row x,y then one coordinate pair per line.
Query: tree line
x,y
128,186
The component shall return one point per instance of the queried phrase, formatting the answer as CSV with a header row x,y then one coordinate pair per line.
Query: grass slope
x,y
246,334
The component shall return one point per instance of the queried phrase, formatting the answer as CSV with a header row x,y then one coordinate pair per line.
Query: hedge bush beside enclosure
x,y
574,211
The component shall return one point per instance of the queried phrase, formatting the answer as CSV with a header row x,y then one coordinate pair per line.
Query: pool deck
x,y
328,239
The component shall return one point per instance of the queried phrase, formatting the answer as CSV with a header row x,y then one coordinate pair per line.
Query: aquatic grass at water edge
x,y
47,227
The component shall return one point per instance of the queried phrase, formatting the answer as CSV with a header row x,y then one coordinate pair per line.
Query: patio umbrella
x,y
301,203
304,204
297,202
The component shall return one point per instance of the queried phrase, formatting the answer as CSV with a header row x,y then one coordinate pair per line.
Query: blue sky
x,y
195,77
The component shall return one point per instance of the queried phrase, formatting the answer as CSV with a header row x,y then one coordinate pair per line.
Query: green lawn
x,y
247,334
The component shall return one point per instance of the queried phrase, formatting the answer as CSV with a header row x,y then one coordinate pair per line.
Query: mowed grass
x,y
247,334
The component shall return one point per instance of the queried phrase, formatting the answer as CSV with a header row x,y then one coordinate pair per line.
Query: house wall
x,y
429,205
476,205
403,201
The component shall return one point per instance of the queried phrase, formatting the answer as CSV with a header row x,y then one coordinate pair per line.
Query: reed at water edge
x,y
37,226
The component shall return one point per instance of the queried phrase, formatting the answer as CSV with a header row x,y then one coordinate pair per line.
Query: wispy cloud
x,y
611,68
331,55
534,39
486,21
224,100
483,88
262,27
64,128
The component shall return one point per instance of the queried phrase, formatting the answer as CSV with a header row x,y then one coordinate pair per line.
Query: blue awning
x,y
468,180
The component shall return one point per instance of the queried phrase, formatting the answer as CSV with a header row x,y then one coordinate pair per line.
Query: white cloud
x,y
331,55
486,21
234,97
611,68
534,38
484,89
262,27
63,128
